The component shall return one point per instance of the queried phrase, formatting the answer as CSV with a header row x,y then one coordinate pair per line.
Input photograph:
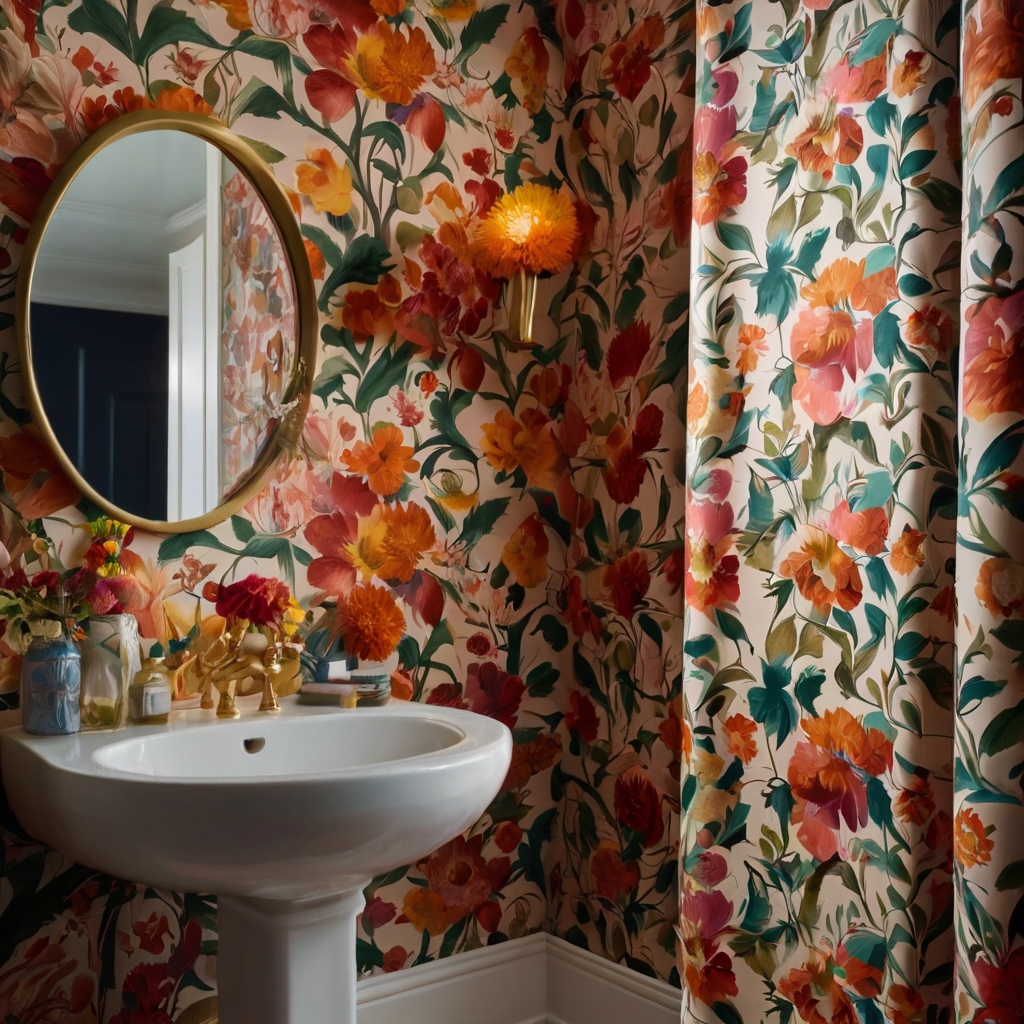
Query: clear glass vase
x,y
110,661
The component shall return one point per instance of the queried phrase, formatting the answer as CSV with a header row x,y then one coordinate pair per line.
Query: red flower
x,y
478,160
377,913
149,984
489,915
462,878
708,971
638,805
257,599
719,177
628,579
626,467
612,877
394,959
582,718
866,531
332,535
151,933
578,610
508,836
1000,989
627,62
627,351
994,358
447,695
494,693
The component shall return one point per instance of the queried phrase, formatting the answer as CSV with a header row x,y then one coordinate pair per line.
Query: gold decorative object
x,y
295,392
522,298
224,664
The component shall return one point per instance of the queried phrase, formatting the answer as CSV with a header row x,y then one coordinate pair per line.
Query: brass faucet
x,y
225,665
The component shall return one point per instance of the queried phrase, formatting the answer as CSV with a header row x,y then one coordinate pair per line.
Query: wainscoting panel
x,y
536,980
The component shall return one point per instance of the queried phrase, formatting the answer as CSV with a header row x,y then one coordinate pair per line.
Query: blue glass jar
x,y
51,683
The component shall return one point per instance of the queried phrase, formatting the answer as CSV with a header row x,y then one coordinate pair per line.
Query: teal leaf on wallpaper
x,y
810,251
480,29
1009,182
1005,730
808,687
738,39
482,520
168,25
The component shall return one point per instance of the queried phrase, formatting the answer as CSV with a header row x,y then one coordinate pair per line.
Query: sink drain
x,y
255,745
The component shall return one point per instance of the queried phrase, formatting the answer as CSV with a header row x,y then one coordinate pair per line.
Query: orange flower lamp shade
x,y
529,231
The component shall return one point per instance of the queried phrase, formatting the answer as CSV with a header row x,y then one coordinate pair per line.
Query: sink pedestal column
x,y
287,962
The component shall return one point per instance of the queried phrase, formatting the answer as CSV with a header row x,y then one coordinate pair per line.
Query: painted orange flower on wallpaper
x,y
532,228
527,443
391,65
993,46
526,552
527,66
1000,586
370,622
32,477
711,564
384,462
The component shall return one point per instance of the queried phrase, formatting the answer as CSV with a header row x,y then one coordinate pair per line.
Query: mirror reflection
x,y
163,324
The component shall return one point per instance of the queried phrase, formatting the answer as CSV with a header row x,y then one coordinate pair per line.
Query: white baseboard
x,y
535,980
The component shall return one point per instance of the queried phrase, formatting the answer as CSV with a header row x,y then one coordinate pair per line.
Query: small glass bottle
x,y
149,696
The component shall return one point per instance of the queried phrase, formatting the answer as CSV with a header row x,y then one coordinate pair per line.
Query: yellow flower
x,y
293,617
370,622
367,551
527,68
452,495
533,228
454,10
509,443
328,186
390,66
426,910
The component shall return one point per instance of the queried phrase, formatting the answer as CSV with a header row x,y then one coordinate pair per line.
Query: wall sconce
x,y
527,232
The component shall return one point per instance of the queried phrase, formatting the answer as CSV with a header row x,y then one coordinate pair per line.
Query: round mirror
x,y
166,319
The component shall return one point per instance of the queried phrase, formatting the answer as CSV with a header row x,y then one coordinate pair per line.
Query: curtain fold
x,y
855,558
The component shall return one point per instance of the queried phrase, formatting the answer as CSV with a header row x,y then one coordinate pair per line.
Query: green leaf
x,y
541,680
96,17
323,241
387,371
263,150
735,236
481,521
243,529
554,633
886,336
167,26
364,261
629,304
914,285
1011,877
874,41
1006,730
480,29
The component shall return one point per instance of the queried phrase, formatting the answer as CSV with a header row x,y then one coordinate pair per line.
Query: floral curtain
x,y
841,184
853,650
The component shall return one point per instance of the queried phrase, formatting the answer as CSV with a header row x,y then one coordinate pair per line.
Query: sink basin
x,y
285,818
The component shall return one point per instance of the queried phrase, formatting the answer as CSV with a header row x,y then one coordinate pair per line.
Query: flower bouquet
x,y
42,617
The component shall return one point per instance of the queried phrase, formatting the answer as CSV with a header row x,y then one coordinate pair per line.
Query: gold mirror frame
x,y
299,389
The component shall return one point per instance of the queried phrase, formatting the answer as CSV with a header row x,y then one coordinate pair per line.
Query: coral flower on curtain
x,y
719,177
707,968
712,567
993,380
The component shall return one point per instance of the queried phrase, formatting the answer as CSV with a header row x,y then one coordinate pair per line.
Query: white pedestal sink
x,y
285,818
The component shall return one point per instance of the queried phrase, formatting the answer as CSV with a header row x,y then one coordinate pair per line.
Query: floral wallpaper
x,y
524,502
